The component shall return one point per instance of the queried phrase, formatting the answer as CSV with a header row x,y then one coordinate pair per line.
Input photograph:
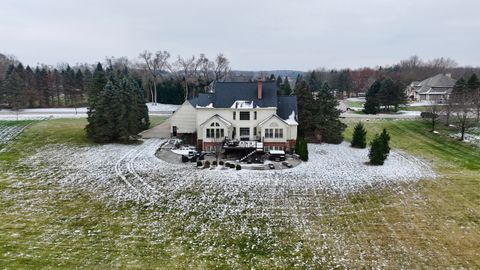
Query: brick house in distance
x,y
238,115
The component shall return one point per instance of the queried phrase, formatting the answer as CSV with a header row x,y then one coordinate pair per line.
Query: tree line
x,y
352,82
160,79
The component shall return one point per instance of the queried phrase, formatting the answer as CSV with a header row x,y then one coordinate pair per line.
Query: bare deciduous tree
x,y
154,64
221,67
186,69
462,102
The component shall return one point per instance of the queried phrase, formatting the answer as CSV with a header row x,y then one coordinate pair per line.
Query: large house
x,y
238,115
436,89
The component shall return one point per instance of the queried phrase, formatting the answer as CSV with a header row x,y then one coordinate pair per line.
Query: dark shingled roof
x,y
226,93
202,99
287,104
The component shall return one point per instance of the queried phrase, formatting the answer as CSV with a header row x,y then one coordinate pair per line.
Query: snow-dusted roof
x,y
207,106
243,104
291,120
439,84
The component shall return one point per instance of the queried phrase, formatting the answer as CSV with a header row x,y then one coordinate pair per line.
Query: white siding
x,y
203,114
185,118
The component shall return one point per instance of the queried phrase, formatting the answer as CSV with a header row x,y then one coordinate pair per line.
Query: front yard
x,y
120,206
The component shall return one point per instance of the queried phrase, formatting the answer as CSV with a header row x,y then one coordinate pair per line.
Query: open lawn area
x,y
67,202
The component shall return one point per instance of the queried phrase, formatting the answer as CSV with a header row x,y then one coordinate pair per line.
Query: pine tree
x,y
97,84
120,111
305,109
305,150
279,82
372,105
326,119
359,138
377,154
285,88
301,149
385,138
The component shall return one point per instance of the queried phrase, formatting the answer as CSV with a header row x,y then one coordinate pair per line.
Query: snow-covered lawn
x,y
45,113
132,172
162,107
9,132
472,135
291,200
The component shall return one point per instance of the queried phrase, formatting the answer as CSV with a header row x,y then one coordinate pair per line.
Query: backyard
x,y
69,202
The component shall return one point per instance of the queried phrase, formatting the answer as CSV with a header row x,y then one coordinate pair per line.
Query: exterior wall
x,y
184,119
202,130
203,114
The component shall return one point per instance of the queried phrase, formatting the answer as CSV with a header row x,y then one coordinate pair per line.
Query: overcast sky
x,y
253,34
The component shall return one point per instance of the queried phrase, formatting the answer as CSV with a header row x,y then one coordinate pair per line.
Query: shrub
x,y
302,149
207,164
232,165
380,148
227,164
199,164
385,138
359,139
220,162
214,163
238,167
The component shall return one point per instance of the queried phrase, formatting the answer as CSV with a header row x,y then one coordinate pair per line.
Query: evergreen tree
x,y
314,81
103,121
359,138
120,111
305,109
285,89
385,139
326,119
377,154
304,155
301,149
97,84
372,105
279,82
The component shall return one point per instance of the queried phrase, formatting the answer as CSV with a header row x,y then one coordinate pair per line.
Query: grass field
x,y
351,103
426,224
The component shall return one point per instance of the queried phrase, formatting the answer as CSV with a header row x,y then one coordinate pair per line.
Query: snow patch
x,y
242,104
291,119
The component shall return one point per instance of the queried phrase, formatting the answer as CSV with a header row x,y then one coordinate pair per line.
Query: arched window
x,y
215,132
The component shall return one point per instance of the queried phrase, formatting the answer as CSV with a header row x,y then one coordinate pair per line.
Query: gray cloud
x,y
254,35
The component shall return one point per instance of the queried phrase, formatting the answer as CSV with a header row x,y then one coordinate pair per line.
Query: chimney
x,y
259,89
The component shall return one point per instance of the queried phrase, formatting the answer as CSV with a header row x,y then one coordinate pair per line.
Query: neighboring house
x,y
437,89
239,115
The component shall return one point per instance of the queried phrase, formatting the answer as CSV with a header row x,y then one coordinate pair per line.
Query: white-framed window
x,y
244,132
274,133
215,132
234,115
255,115
279,133
244,115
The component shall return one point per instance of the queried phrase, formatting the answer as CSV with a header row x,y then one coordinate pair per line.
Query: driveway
x,y
161,131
